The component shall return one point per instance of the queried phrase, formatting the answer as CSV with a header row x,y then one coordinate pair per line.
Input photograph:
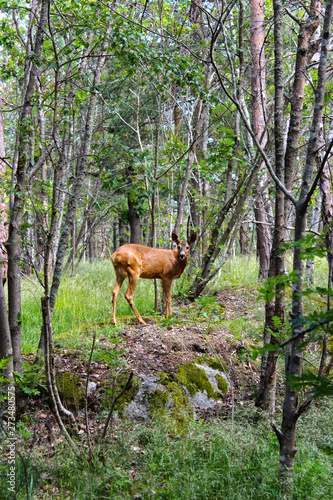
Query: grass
x,y
146,462
218,459
237,272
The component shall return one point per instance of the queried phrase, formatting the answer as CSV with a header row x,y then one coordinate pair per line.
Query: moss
x,y
157,402
330,344
195,379
222,384
212,362
171,405
69,389
164,378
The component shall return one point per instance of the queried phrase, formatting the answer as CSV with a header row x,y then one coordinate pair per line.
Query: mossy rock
x,y
171,404
157,402
195,379
216,364
70,390
222,384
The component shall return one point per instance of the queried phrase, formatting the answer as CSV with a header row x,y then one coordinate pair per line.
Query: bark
x,y
285,167
263,234
183,191
133,209
304,51
3,203
276,307
314,226
5,340
294,359
327,216
14,245
258,89
134,222
244,239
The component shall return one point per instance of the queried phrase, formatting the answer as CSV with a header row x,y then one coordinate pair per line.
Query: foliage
x,y
32,380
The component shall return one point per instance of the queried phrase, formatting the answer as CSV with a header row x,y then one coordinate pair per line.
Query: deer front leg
x,y
166,287
132,282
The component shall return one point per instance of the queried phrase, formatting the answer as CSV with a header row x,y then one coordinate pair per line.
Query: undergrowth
x,y
214,460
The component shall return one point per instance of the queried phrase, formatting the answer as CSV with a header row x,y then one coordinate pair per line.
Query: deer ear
x,y
192,239
175,237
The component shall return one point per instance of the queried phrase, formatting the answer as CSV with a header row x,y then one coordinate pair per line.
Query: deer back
x,y
147,262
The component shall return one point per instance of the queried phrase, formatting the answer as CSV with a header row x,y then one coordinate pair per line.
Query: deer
x,y
134,261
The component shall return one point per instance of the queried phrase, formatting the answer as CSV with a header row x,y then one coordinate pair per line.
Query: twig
x,y
115,399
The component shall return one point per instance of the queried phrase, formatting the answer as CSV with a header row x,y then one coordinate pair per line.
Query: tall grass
x,y
239,271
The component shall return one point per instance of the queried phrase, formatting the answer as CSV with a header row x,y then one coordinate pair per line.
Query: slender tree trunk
x,y
6,351
14,245
303,54
182,194
3,203
294,359
275,307
258,88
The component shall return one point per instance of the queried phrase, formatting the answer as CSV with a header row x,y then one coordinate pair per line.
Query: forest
x,y
202,125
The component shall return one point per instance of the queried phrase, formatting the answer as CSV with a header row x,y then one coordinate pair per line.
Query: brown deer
x,y
134,261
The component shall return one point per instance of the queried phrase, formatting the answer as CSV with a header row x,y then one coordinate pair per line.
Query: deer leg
x,y
166,287
116,289
132,282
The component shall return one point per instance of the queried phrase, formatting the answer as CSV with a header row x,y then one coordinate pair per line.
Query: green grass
x,y
214,460
238,272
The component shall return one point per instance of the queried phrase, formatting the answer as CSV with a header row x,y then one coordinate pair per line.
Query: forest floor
x,y
150,349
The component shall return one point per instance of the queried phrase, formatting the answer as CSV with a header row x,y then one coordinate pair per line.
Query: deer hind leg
x,y
166,287
132,282
119,282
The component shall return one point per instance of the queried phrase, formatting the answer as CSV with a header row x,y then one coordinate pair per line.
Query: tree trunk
x,y
3,204
6,351
258,89
244,239
294,359
14,244
275,307
134,222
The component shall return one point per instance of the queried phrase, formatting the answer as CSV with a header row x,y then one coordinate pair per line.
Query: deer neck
x,y
182,262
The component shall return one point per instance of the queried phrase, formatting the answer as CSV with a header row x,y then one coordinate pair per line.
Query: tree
x,y
259,124
23,170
